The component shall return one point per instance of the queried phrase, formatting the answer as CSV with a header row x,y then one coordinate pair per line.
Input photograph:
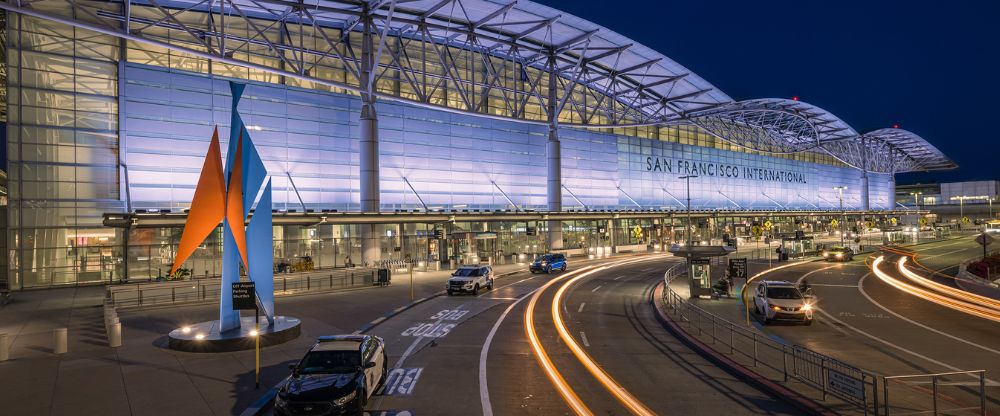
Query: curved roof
x,y
474,53
774,125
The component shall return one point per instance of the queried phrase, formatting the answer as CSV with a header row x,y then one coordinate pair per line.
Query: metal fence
x,y
208,290
826,375
960,392
942,393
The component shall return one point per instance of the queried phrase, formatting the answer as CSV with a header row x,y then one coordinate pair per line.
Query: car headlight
x,y
777,308
807,307
825,254
840,255
344,400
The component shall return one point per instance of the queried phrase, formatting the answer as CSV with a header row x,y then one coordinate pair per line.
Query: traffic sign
x,y
923,221
768,224
244,296
756,231
965,220
834,223
894,220
738,268
637,231
869,224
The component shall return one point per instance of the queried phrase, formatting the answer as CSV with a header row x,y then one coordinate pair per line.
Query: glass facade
x,y
75,155
62,138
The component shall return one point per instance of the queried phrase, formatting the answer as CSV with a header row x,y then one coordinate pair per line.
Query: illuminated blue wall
x,y
451,160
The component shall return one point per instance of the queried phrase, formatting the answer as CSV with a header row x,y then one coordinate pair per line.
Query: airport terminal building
x,y
430,130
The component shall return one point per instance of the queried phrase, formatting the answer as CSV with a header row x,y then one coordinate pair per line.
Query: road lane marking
x,y
484,393
409,350
893,313
582,304
595,289
401,381
567,393
583,337
609,383
900,348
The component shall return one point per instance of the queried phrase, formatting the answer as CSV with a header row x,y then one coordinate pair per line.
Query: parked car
x,y
838,254
337,376
469,279
548,262
781,300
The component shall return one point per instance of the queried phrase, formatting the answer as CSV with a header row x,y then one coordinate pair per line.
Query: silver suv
x,y
781,300
469,279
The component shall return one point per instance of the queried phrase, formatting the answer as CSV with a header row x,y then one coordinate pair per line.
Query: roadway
x,y
865,320
468,354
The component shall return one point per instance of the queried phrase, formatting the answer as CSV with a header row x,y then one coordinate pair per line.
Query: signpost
x,y
738,268
845,386
984,240
245,298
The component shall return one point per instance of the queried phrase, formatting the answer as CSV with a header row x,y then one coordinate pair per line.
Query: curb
x,y
264,402
773,389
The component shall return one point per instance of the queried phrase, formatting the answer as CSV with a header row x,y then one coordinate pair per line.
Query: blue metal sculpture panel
x,y
261,250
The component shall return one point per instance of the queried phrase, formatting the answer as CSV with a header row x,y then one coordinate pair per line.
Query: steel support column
x,y
865,199
554,163
369,160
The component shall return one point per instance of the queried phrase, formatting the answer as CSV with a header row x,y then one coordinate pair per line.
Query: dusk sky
x,y
930,66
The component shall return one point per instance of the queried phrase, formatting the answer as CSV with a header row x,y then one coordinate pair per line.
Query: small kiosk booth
x,y
700,265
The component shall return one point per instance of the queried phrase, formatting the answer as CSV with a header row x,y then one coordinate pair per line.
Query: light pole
x,y
688,180
843,218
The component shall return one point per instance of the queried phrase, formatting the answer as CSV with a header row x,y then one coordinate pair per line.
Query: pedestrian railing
x,y
209,290
960,392
853,387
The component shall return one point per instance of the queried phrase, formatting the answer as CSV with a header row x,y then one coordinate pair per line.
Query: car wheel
x,y
809,322
767,321
475,289
563,268
385,370
450,293
548,270
490,287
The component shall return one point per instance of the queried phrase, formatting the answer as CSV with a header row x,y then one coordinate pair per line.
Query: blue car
x,y
548,262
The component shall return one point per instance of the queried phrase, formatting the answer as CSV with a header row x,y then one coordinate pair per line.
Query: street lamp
x,y
843,218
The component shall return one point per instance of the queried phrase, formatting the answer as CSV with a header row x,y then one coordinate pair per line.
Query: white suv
x,y
781,300
469,279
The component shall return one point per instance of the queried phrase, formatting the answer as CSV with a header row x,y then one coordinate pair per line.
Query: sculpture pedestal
x,y
205,336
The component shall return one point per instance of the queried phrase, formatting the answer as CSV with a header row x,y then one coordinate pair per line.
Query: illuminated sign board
x,y
722,170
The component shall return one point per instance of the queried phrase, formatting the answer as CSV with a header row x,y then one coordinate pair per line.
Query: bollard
x,y
4,349
59,343
115,335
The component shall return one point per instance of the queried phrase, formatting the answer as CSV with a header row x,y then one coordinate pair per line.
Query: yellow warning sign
x,y
768,224
834,223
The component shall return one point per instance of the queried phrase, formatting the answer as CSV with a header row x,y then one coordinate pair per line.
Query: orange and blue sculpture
x,y
227,195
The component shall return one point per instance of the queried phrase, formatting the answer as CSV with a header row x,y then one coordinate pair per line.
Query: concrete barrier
x,y
59,340
115,335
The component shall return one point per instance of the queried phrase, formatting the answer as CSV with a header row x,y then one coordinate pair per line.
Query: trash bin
x,y
384,277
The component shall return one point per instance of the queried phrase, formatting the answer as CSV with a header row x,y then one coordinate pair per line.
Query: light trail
x,y
948,290
567,393
975,310
609,383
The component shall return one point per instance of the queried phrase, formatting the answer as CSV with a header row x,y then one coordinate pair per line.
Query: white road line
x,y
583,337
598,287
581,307
413,345
484,392
492,298
898,347
956,338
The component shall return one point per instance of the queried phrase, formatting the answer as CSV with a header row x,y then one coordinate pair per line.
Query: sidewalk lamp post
x,y
843,218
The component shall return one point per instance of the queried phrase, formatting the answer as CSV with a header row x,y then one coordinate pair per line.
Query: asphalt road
x,y
466,355
864,321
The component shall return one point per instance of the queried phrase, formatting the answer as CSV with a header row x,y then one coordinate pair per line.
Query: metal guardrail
x,y
854,386
208,290
825,374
